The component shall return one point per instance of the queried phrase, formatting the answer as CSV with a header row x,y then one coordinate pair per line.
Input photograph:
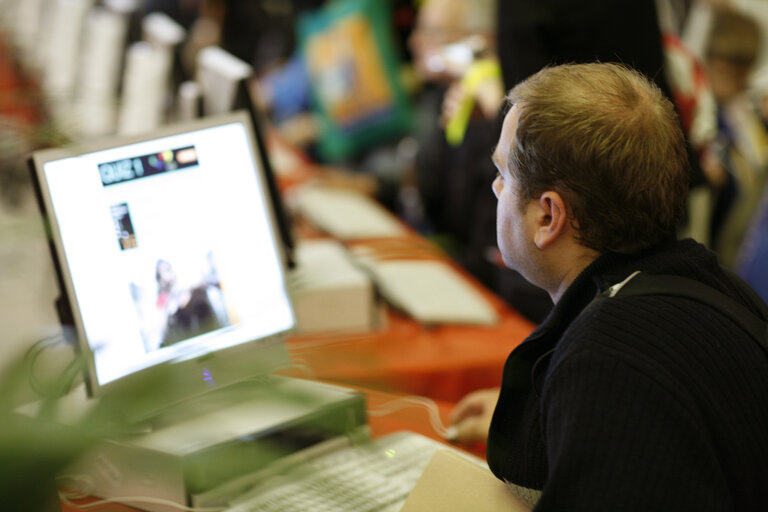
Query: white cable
x,y
410,401
301,364
77,492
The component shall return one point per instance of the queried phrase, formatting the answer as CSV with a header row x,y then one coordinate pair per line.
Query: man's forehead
x,y
497,159
506,138
513,114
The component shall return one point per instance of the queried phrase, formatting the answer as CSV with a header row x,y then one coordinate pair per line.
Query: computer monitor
x,y
223,81
168,253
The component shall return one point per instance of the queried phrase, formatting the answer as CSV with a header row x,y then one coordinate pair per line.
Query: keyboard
x,y
376,476
430,291
347,215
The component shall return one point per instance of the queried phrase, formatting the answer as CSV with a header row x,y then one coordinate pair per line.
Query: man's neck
x,y
571,269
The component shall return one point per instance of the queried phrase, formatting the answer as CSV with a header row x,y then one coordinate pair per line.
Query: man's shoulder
x,y
666,332
643,320
663,323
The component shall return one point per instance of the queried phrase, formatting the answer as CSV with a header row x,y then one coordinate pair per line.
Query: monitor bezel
x,y
185,377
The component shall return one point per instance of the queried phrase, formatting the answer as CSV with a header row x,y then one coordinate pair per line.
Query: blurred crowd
x,y
403,99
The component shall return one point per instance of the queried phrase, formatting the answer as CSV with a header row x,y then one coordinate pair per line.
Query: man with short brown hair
x,y
631,402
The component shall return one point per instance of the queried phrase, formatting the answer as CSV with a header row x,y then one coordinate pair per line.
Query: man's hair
x,y
607,140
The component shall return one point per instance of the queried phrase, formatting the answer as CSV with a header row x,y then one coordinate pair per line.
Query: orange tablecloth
x,y
441,362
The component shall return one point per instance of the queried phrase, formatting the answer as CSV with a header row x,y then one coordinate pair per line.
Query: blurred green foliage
x,y
35,447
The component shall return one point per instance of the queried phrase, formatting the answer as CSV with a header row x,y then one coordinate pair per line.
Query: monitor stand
x,y
214,439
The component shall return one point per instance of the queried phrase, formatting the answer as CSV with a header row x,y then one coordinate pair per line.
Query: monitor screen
x,y
168,252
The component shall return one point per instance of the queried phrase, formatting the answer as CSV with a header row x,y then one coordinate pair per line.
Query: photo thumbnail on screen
x,y
185,302
126,236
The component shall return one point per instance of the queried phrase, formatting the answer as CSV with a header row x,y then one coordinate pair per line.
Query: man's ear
x,y
552,219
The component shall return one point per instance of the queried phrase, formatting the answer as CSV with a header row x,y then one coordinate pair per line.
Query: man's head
x,y
602,144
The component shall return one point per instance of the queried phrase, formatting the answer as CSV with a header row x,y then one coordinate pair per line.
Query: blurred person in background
x,y
696,26
451,40
738,164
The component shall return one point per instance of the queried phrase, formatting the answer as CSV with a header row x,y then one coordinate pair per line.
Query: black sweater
x,y
642,403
